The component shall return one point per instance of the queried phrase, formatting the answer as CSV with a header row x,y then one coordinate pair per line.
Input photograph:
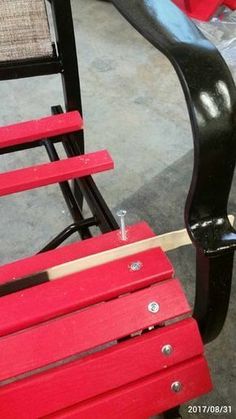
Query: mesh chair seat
x,y
24,30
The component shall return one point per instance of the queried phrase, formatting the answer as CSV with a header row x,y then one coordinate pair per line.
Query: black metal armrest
x,y
211,99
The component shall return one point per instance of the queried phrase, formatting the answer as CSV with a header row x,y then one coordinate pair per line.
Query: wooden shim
x,y
80,331
168,241
51,126
26,267
41,262
43,393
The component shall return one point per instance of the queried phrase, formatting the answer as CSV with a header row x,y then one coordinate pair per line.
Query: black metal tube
x,y
65,38
27,146
72,205
67,232
213,286
172,413
30,68
87,186
93,198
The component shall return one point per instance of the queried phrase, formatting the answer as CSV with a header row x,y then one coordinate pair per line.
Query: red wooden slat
x,y
51,126
37,263
90,376
147,396
201,9
86,329
34,305
58,171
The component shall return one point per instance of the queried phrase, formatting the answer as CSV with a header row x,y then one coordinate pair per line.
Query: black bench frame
x,y
211,99
210,95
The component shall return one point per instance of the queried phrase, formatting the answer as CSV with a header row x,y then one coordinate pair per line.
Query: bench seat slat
x,y
86,329
43,302
51,126
145,397
33,264
91,376
58,171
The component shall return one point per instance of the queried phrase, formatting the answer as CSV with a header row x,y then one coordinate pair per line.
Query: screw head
x,y
153,307
135,266
176,386
121,213
167,350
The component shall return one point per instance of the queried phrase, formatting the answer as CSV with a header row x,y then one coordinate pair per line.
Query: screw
x,y
176,386
153,307
135,266
167,350
121,214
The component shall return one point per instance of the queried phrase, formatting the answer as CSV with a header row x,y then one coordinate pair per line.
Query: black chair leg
x,y
172,413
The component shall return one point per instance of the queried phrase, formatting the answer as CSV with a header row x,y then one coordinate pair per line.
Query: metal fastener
x,y
153,307
121,214
176,386
167,350
135,266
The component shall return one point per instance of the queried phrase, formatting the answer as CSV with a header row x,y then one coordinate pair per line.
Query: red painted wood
x,y
51,126
202,9
86,329
145,397
34,305
90,376
58,171
63,254
230,3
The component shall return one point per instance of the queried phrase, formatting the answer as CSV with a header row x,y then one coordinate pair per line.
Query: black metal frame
x,y
64,61
211,99
210,94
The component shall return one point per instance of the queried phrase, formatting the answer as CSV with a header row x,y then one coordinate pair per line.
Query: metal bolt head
x,y
121,213
135,266
167,350
176,386
153,307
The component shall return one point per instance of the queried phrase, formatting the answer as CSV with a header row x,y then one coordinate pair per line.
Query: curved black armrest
x,y
211,99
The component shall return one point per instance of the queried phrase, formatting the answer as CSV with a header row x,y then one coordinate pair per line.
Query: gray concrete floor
x,y
134,107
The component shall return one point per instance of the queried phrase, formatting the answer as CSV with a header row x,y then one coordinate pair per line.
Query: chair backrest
x,y
37,39
24,31
27,47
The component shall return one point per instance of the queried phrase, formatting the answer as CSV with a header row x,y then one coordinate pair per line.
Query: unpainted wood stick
x,y
167,241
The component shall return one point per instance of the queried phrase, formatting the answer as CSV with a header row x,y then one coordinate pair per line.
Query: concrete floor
x,y
134,107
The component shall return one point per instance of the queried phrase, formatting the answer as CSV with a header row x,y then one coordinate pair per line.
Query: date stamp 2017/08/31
x,y
209,410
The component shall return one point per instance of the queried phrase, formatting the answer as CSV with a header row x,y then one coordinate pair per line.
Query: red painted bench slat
x,y
202,9
43,261
51,126
88,377
230,3
88,328
58,171
61,364
43,302
145,397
